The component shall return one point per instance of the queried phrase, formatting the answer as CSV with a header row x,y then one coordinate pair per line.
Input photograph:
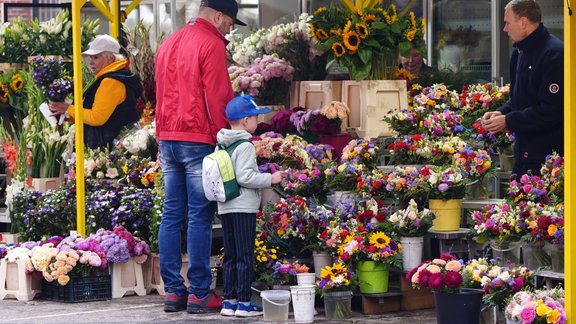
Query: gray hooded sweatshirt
x,y
249,179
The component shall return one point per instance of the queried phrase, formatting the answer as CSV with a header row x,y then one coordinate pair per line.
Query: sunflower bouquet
x,y
367,38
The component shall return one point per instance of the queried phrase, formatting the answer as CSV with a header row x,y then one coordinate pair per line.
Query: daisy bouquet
x,y
543,223
540,306
443,149
437,96
265,257
500,283
285,272
476,99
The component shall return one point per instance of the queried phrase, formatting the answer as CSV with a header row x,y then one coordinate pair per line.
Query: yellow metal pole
x,y
115,22
132,6
103,8
570,157
78,122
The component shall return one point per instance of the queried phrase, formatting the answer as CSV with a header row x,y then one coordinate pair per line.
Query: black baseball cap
x,y
227,7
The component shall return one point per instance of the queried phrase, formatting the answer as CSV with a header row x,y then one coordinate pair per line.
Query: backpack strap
x,y
230,148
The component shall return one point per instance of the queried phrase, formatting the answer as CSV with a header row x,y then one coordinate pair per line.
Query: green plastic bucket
x,y
372,277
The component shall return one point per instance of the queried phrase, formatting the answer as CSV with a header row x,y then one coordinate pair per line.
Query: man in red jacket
x,y
192,89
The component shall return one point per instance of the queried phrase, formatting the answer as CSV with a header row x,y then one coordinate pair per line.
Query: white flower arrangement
x,y
140,140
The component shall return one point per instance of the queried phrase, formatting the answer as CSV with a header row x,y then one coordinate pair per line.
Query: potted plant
x,y
336,284
411,224
453,300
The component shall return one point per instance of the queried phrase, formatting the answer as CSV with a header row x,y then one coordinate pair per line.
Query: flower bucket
x,y
275,304
303,297
557,259
336,196
338,141
448,214
372,277
321,260
462,307
534,256
477,190
506,252
506,156
511,321
305,279
411,252
338,305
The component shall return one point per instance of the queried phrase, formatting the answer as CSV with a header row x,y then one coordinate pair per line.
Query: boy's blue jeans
x,y
184,196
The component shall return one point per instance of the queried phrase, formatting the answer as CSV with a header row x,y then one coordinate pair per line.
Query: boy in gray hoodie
x,y
239,214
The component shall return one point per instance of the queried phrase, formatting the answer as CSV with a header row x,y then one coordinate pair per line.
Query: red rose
x,y
453,279
377,185
436,281
371,249
324,234
343,234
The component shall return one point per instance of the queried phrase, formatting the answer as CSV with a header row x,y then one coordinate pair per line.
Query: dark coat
x,y
535,112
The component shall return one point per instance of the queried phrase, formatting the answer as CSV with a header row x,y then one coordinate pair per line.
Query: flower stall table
x,y
15,283
380,303
550,278
459,241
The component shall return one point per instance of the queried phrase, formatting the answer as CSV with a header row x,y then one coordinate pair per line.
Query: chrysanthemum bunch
x,y
305,183
476,99
440,182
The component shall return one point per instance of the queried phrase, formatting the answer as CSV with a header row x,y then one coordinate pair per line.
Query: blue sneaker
x,y
249,310
228,308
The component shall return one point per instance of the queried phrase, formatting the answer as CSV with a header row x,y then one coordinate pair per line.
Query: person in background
x,y
110,101
535,111
415,64
192,89
239,214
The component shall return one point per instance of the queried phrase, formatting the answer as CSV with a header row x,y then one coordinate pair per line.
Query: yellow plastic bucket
x,y
448,214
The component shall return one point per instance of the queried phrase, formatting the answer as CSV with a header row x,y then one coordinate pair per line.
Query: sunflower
x,y
362,30
319,11
379,240
17,83
358,11
352,41
423,26
321,34
338,49
336,32
332,271
3,94
369,18
410,34
347,27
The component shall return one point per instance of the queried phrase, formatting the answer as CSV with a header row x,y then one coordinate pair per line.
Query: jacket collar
x,y
113,67
534,40
206,25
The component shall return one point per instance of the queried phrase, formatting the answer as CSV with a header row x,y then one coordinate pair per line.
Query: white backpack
x,y
218,177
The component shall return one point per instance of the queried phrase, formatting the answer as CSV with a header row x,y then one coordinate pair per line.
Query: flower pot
x,y
338,305
506,252
411,252
462,307
372,277
506,157
448,214
534,256
321,260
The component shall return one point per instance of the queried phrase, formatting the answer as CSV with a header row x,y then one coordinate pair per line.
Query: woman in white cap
x,y
110,101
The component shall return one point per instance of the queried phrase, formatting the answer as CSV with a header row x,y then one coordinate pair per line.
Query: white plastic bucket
x,y
275,304
305,279
321,260
303,300
411,252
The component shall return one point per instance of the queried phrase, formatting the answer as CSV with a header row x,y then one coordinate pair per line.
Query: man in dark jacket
x,y
535,111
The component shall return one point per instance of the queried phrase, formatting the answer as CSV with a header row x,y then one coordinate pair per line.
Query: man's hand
x,y
58,108
494,122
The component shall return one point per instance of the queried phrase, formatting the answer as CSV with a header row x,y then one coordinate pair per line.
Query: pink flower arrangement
x,y
267,79
443,274
529,188
540,306
445,123
500,221
361,151
306,183
553,174
475,163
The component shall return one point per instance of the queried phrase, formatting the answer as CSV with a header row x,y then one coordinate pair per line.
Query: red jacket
x,y
192,84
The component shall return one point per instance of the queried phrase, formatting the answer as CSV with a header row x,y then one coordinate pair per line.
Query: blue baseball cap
x,y
243,106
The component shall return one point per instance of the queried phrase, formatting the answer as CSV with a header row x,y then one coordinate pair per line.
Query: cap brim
x,y
260,111
91,52
238,22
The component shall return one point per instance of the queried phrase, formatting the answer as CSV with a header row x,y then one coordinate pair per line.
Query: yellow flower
x,y
552,229
3,94
321,34
17,83
369,18
358,11
553,316
264,259
347,27
312,31
332,271
319,11
337,32
379,240
362,30
423,26
352,41
413,19
410,34
338,49
541,308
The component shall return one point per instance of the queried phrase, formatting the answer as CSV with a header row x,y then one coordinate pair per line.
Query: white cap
x,y
103,43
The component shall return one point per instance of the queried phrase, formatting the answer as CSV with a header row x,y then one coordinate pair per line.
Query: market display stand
x,y
550,278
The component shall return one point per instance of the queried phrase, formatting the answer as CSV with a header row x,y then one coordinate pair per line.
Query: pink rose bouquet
x,y
540,306
443,274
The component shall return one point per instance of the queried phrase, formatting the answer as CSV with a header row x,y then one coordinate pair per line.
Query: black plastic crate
x,y
79,290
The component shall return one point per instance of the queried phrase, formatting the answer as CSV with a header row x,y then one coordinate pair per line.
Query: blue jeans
x,y
183,194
